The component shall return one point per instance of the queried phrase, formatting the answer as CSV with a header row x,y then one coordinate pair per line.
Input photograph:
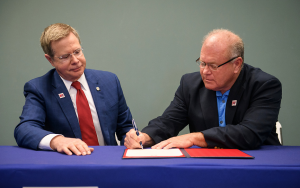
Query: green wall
x,y
149,44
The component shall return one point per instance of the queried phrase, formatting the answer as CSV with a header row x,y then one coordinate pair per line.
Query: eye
x,y
213,66
77,51
202,64
64,56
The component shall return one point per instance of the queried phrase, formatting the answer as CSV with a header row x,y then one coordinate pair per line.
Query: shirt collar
x,y
219,94
82,81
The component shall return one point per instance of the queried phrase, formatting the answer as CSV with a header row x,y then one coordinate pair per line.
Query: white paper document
x,y
153,152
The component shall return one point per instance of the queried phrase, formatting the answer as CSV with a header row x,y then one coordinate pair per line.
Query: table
x,y
273,166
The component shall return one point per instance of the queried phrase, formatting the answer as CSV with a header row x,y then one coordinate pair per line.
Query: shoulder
x,y
258,82
104,78
44,80
189,77
257,76
191,80
40,86
99,74
190,85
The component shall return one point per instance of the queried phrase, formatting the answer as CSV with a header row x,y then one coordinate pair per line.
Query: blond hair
x,y
55,32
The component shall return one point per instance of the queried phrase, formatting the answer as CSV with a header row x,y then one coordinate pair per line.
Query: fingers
x,y
91,150
65,150
84,149
167,144
183,141
80,149
73,149
132,141
70,146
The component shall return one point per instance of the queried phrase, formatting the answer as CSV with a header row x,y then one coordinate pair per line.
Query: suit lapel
x,y
98,94
236,93
208,102
66,104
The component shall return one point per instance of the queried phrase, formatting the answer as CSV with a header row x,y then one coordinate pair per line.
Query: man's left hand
x,y
183,141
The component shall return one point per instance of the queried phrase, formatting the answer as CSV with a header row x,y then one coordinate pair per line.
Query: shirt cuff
x,y
45,142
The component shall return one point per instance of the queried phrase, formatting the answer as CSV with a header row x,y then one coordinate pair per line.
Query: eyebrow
x,y
71,52
208,62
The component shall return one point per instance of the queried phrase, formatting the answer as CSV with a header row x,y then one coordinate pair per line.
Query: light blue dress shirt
x,y
222,100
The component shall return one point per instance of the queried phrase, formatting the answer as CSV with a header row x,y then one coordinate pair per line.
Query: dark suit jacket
x,y
45,112
249,124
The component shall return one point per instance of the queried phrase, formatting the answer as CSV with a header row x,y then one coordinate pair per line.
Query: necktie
x,y
87,127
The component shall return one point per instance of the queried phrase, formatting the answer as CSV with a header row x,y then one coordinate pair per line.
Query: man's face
x,y
224,77
73,68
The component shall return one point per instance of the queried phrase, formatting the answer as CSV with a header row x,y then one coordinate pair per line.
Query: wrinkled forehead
x,y
67,44
213,52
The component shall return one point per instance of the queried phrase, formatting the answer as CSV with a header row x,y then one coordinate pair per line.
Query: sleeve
x,y
124,123
172,121
256,124
45,142
30,131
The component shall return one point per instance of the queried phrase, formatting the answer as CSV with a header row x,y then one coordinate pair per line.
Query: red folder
x,y
217,153
201,153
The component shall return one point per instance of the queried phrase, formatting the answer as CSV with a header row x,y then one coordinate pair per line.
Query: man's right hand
x,y
132,141
70,145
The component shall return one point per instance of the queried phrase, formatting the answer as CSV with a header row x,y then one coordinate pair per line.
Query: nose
x,y
73,58
206,70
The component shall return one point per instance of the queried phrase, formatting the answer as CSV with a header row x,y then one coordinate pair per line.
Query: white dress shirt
x,y
45,142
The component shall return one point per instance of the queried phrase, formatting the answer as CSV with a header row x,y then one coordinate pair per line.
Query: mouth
x,y
208,80
76,69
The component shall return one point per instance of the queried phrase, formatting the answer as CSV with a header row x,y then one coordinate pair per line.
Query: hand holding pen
x,y
137,131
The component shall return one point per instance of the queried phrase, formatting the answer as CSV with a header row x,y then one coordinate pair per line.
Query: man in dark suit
x,y
228,105
71,108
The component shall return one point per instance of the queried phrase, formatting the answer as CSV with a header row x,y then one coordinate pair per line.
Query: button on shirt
x,y
45,142
222,100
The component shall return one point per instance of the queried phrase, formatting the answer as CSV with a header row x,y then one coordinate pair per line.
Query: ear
x,y
238,64
49,59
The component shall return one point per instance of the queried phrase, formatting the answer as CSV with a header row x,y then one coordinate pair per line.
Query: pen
x,y
137,131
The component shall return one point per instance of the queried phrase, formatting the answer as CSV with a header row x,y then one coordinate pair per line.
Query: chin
x,y
79,73
210,87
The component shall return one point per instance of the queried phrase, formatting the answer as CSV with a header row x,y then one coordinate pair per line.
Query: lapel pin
x,y
97,88
233,102
61,95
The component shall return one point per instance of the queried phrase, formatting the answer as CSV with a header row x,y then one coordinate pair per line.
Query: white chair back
x,y
118,142
279,132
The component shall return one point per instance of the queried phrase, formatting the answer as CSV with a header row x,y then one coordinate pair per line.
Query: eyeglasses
x,y
212,67
67,57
